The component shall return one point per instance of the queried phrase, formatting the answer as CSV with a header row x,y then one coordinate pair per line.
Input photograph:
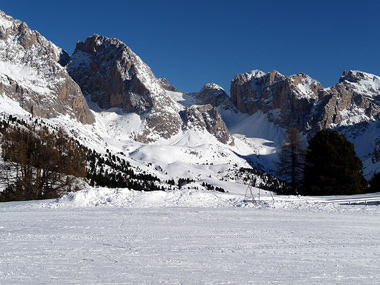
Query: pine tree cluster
x,y
212,187
265,180
114,172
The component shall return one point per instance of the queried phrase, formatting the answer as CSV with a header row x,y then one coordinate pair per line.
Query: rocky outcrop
x,y
167,85
247,89
114,76
287,100
353,100
214,95
300,101
207,117
32,73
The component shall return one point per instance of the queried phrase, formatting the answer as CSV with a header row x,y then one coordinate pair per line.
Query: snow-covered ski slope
x,y
187,237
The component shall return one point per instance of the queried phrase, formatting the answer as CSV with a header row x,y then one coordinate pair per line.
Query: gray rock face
x,y
114,76
32,73
207,117
355,99
248,91
215,95
300,101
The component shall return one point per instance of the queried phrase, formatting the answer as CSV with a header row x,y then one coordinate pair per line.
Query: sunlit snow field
x,y
103,236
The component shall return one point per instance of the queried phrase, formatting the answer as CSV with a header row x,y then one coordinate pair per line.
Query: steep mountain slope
x,y
31,73
203,110
114,76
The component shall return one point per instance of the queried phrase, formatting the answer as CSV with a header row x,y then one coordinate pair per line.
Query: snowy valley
x,y
211,158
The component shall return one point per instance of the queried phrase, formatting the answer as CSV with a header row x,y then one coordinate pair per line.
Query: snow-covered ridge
x,y
305,87
362,82
255,74
6,22
212,86
32,74
17,37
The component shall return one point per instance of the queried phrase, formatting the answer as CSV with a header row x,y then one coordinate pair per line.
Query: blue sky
x,y
192,43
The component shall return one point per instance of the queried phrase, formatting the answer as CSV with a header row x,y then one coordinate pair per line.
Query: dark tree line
x,y
266,181
212,187
113,172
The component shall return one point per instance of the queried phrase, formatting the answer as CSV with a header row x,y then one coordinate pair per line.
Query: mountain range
x,y
106,97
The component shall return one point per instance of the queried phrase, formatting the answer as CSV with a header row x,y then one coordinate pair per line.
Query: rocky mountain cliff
x,y
207,117
355,99
302,102
113,76
32,73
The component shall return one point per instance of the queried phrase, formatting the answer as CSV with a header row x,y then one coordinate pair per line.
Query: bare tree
x,y
292,159
39,164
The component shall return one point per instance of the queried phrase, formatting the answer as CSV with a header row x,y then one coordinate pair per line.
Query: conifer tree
x,y
291,159
374,183
332,166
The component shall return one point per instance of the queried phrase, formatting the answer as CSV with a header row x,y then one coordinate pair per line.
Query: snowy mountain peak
x,y
256,73
207,117
356,76
212,86
301,101
362,82
214,95
275,94
31,73
257,80
251,76
305,86
6,21
115,77
167,85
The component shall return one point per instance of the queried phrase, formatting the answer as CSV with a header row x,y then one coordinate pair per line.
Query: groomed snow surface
x,y
120,236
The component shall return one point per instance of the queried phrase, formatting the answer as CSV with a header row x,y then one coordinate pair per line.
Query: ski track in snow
x,y
291,241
